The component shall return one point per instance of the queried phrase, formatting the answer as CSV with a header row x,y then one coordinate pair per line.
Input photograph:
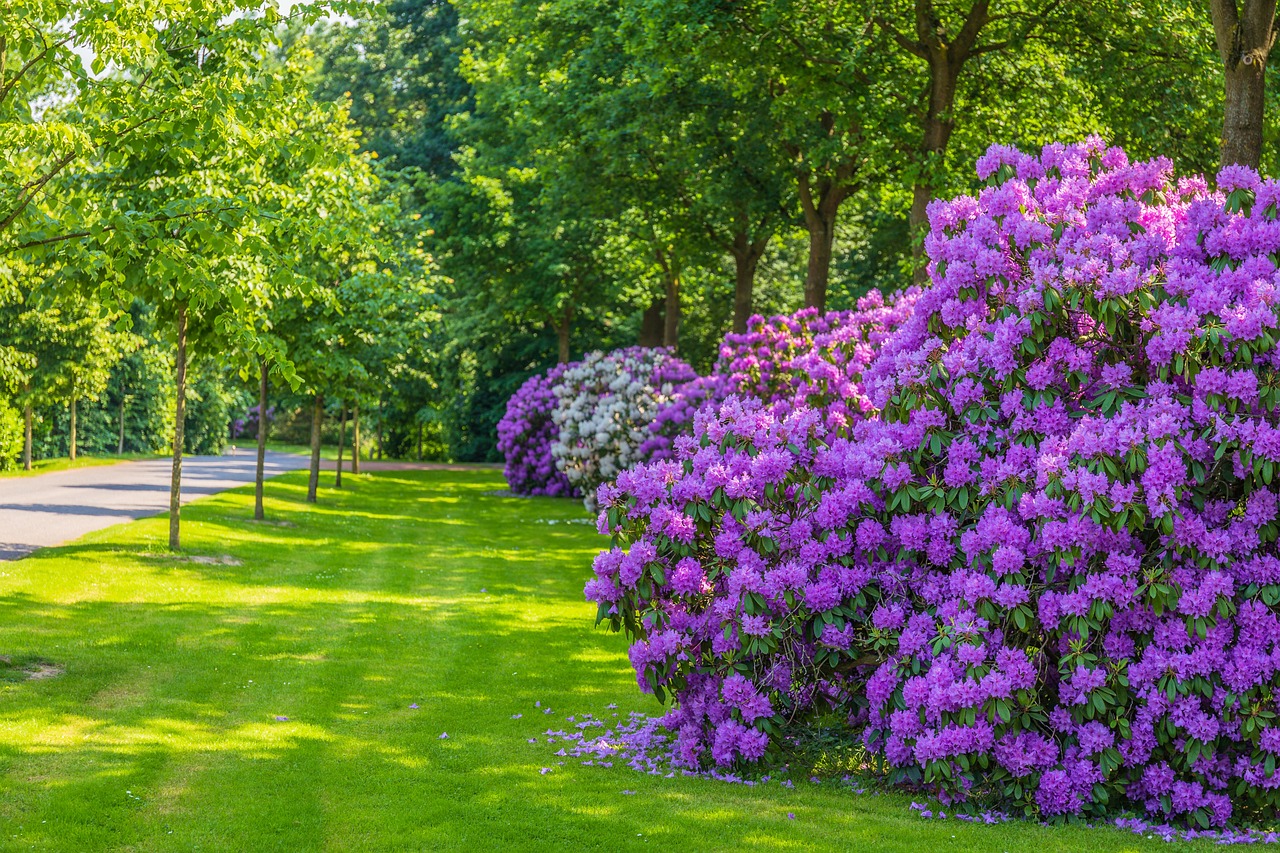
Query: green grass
x,y
160,733
48,466
327,451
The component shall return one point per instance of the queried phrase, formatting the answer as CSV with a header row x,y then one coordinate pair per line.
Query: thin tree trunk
x,y
120,443
822,235
342,441
419,441
73,427
355,439
746,259
260,474
1245,33
28,416
563,329
179,428
671,305
317,421
651,323
946,57
381,417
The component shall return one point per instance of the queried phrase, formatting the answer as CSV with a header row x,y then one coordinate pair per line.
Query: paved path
x,y
50,509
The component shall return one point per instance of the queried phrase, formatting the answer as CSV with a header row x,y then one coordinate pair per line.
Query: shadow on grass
x,y
346,530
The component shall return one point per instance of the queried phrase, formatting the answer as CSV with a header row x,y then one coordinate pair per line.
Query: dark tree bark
x,y
342,442
317,421
651,324
746,259
820,202
563,325
945,57
355,439
179,429
260,475
28,416
120,443
419,441
1245,31
73,442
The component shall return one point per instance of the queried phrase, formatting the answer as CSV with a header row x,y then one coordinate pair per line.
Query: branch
x,y
76,235
903,42
30,190
968,35
4,93
1226,28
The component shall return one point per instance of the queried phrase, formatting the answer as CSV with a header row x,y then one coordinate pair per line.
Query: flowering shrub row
x,y
1044,575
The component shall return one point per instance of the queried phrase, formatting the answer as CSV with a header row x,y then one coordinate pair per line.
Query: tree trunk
x,y
73,427
939,123
563,328
945,55
381,417
746,259
120,443
419,441
651,324
355,439
317,421
342,441
671,305
820,220
1245,32
179,428
260,475
28,416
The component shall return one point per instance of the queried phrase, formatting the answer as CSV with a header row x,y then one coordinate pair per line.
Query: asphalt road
x,y
50,509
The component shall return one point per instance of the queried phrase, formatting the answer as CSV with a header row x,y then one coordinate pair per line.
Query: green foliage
x,y
211,406
11,436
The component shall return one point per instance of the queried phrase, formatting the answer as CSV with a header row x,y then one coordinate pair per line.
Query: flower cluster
x,y
802,359
604,406
1042,575
525,435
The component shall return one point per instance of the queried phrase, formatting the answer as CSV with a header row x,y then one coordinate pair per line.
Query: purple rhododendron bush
x,y
525,435
1041,575
801,359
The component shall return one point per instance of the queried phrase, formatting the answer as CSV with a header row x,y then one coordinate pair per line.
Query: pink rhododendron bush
x,y
1042,574
525,435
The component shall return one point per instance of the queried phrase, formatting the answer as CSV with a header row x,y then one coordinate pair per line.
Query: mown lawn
x,y
161,732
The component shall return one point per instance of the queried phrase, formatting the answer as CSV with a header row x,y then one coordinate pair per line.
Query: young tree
x,y
199,260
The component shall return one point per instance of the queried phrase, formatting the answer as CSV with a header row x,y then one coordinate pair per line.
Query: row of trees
x,y
268,195
167,168
602,173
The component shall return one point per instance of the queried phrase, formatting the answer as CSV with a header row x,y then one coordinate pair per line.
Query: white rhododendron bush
x,y
604,406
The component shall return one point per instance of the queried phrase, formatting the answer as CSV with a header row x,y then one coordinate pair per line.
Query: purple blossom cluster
x,y
525,435
1034,564
802,359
